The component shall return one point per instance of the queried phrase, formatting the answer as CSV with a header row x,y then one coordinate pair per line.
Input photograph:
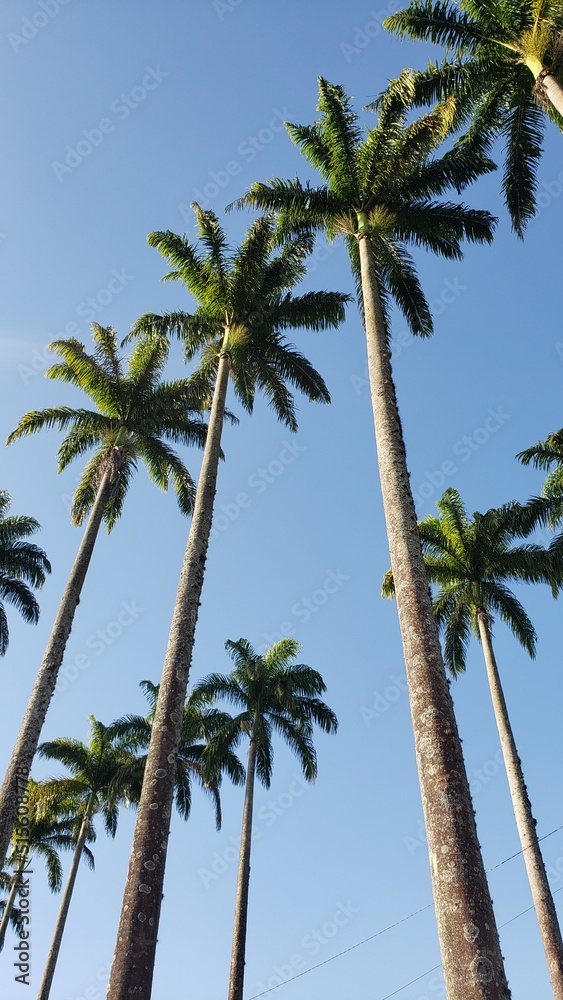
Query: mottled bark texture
x,y
541,893
236,979
133,961
471,956
51,963
19,767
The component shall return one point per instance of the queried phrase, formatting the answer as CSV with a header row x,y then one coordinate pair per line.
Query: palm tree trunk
x,y
236,980
541,893
471,955
547,86
50,965
133,961
15,882
19,767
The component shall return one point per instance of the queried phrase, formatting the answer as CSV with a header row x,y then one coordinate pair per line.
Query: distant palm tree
x,y
43,835
471,560
94,785
381,191
136,415
505,69
198,757
21,563
272,695
245,303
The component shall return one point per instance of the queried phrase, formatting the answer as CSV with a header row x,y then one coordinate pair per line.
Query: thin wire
x,y
402,921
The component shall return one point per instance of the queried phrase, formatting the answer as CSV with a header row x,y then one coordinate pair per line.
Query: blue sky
x,y
115,116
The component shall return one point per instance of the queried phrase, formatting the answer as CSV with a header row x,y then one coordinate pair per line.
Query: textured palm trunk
x,y
52,957
548,85
541,893
14,886
19,767
471,955
133,961
236,979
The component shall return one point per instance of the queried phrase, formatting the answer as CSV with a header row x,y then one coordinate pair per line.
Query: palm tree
x,y
244,305
43,835
197,755
472,560
379,194
21,563
272,695
136,414
504,68
548,455
94,786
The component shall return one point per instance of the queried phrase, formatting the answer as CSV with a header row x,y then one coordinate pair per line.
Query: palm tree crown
x,y
384,183
471,560
137,414
21,563
505,70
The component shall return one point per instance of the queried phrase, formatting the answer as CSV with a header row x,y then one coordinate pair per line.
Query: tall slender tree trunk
x,y
52,957
471,955
14,886
547,85
541,893
133,961
19,767
236,980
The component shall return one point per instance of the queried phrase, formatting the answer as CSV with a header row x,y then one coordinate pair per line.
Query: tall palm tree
x,y
244,306
505,69
197,758
272,694
472,560
547,455
136,415
94,786
21,563
44,835
379,192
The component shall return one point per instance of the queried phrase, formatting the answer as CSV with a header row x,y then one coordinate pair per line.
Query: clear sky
x,y
115,115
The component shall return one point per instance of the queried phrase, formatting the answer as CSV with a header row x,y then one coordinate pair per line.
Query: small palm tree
x,y
21,563
381,192
505,69
245,303
472,560
136,415
43,835
273,695
197,757
93,786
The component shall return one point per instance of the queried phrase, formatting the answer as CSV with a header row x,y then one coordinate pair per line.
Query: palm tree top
x,y
497,49
136,414
244,307
22,565
384,181
272,695
471,559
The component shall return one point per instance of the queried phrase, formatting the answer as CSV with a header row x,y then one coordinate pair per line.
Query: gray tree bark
x,y
471,955
17,775
236,979
133,961
537,877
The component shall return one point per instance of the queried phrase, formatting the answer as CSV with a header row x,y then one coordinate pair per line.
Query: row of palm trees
x,y
273,695
381,191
